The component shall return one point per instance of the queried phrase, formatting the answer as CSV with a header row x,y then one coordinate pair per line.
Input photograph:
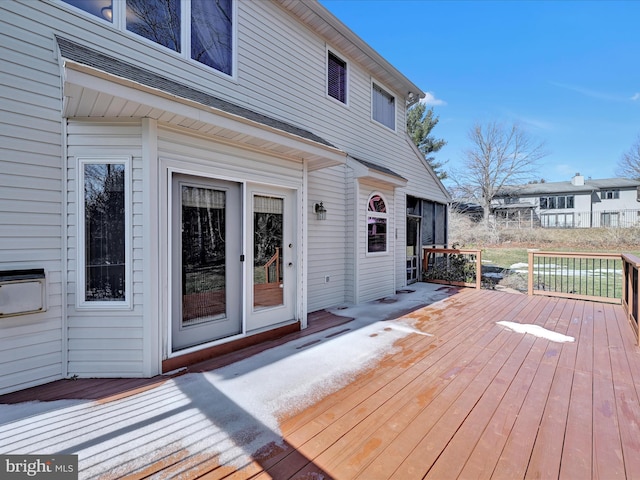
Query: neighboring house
x,y
183,174
580,203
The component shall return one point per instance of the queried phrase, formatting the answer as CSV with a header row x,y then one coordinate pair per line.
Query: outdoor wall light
x,y
321,212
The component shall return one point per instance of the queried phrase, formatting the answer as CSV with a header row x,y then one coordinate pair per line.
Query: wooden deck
x,y
473,400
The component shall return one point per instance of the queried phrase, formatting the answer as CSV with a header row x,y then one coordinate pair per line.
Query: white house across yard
x,y
579,203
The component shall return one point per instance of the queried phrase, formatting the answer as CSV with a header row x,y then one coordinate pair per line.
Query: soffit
x,y
99,86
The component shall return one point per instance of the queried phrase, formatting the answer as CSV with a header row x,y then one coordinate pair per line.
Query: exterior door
x,y
413,248
273,260
206,267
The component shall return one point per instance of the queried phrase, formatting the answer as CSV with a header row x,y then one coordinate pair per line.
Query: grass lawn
x,y
505,257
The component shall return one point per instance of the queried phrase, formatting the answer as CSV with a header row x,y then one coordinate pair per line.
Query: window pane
x,y
552,203
384,107
268,218
104,198
203,254
99,8
376,204
543,203
157,20
337,78
570,201
376,234
211,33
560,203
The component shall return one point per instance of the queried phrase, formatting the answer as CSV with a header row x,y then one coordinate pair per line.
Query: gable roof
x,y
321,21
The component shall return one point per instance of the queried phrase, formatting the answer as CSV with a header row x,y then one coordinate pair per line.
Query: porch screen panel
x,y
203,254
428,227
434,223
440,224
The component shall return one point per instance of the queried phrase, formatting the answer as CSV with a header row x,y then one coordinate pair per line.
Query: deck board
x,y
465,399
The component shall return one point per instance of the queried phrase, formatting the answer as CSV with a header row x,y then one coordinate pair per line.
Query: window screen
x,y
337,78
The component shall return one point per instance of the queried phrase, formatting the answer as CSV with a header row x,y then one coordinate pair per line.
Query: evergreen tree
x,y
420,122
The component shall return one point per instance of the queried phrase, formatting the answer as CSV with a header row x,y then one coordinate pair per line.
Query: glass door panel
x,y
206,271
203,255
268,216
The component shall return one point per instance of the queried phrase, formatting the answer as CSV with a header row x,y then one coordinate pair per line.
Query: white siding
x,y
375,271
104,342
280,72
31,206
327,240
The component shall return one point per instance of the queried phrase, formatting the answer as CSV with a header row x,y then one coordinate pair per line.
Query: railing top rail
x,y
452,250
545,253
632,259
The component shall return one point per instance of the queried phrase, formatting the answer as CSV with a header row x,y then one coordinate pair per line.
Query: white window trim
x,y
81,302
395,106
332,51
119,23
386,215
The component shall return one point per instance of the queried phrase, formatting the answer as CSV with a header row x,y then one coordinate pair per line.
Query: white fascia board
x,y
362,171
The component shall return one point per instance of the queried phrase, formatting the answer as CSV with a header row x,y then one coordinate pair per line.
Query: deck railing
x,y
631,285
451,266
599,277
584,276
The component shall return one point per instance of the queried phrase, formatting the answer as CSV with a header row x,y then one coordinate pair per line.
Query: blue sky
x,y
567,71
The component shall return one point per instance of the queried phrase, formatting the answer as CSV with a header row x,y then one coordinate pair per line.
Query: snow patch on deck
x,y
537,330
225,415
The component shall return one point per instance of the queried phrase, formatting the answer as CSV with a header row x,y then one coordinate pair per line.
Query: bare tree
x,y
499,156
629,163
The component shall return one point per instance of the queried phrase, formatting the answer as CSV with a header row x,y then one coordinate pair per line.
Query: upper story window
x,y
201,30
609,194
377,217
156,21
336,78
557,201
383,107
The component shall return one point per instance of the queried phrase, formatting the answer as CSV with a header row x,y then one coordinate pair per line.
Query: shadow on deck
x,y
457,396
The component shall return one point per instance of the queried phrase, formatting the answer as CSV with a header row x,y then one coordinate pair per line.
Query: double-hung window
x,y
383,107
201,30
103,232
336,78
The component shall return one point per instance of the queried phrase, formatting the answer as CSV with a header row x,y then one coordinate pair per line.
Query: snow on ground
x,y
231,412
536,330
